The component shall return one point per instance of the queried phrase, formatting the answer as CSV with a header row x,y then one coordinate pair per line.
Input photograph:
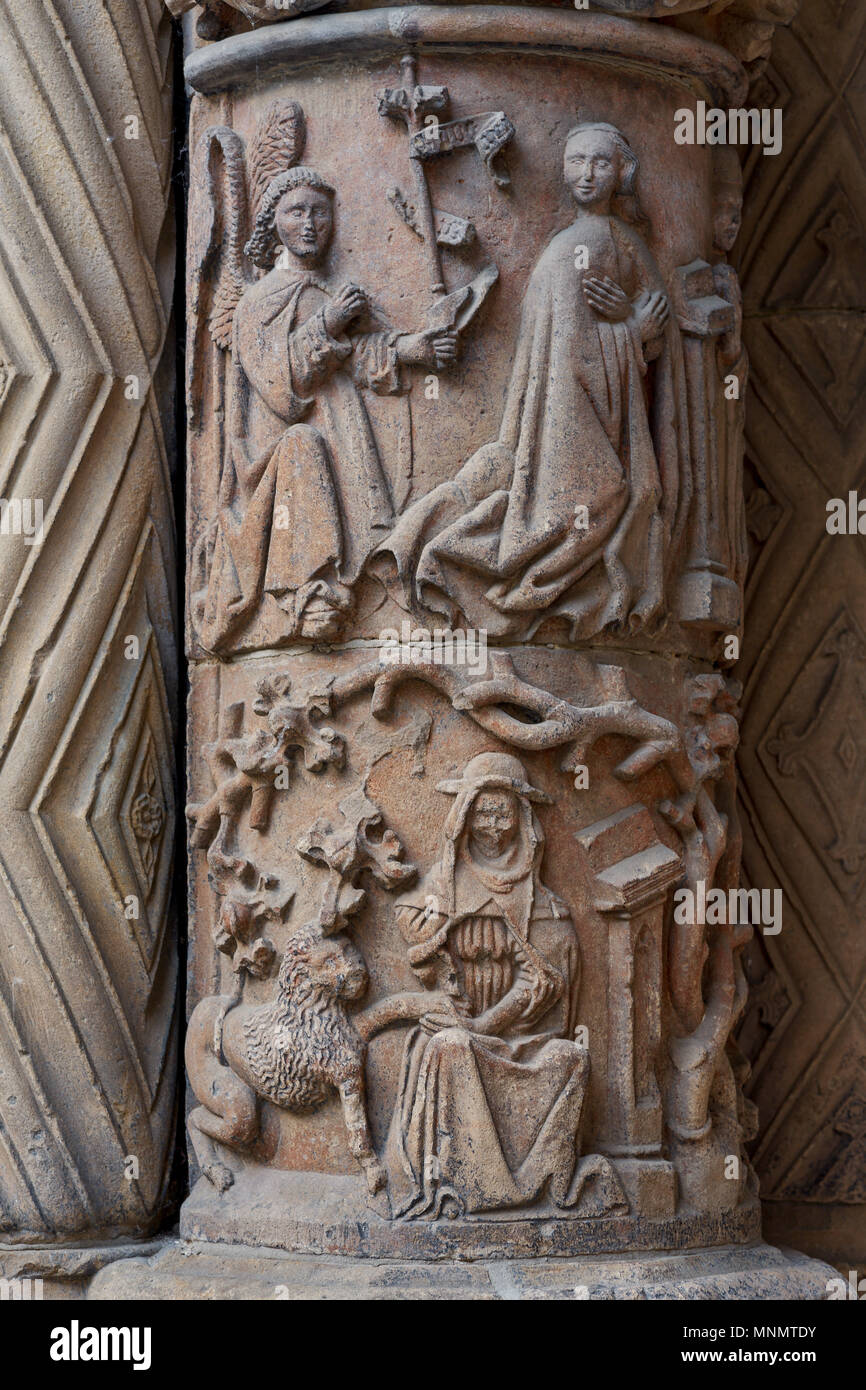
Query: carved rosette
x,y
467,545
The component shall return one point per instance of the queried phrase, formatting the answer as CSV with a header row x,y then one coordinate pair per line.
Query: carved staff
x,y
489,132
411,104
432,99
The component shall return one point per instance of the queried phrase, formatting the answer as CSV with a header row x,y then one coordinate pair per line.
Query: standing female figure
x,y
575,508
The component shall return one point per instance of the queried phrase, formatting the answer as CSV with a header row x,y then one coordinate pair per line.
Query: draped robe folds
x,y
300,439
487,1121
500,543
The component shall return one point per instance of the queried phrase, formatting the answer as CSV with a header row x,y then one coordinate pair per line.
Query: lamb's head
x,y
329,965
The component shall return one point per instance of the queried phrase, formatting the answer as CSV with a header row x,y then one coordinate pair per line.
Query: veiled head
x,y
494,822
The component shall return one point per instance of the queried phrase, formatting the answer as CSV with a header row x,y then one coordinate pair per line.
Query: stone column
x,y
87,576
801,763
460,780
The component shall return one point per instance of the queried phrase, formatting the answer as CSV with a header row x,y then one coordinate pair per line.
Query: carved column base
x,y
64,1271
195,1271
326,1214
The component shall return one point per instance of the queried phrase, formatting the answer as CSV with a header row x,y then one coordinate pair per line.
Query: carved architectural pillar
x,y
465,562
634,870
87,576
801,765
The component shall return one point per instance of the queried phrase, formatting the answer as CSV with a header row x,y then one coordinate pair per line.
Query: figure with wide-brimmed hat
x,y
493,1082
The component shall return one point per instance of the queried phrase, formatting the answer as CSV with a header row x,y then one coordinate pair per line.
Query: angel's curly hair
x,y
262,245
626,202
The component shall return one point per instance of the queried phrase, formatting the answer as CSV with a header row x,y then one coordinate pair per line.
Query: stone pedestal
x,y
197,1271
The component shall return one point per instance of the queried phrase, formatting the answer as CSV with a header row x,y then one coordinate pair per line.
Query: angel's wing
x,y
221,215
277,144
218,231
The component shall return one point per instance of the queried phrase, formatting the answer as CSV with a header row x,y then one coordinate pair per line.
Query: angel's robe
x,y
488,1121
507,541
304,498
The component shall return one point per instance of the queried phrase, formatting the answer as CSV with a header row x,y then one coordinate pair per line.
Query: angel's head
x,y
297,211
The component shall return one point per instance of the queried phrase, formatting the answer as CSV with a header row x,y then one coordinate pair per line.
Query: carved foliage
x,y
493,820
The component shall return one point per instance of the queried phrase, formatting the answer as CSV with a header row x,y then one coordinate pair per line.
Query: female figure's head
x,y
494,822
601,169
298,211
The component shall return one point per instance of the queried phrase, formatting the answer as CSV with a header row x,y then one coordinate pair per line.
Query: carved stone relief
x,y
469,525
468,545
335,515
480,980
746,27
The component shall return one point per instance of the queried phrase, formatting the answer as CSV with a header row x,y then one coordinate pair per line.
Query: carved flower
x,y
256,958
147,817
237,935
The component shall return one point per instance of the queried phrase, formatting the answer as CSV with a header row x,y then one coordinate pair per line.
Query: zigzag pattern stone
x,y
87,661
801,759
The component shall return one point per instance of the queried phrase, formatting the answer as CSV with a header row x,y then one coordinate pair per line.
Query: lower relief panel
x,y
447,992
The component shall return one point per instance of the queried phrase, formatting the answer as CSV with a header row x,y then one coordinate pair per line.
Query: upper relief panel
x,y
462,342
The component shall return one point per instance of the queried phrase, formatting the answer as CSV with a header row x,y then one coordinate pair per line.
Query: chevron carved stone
x,y
87,659
801,756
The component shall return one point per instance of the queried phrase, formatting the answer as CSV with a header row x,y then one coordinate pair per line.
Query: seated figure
x,y
492,1082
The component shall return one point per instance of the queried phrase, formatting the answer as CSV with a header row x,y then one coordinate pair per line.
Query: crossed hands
x,y
612,303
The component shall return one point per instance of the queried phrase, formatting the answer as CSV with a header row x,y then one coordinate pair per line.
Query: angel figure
x,y
304,498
